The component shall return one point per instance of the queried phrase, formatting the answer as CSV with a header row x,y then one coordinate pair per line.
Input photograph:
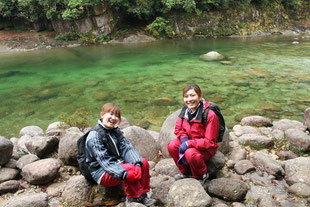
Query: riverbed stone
x,y
28,200
124,123
25,160
21,147
265,163
167,132
285,124
216,163
257,121
277,133
227,188
212,56
67,148
166,167
11,164
298,138
56,189
286,155
256,141
31,131
42,145
188,192
300,189
42,171
9,186
297,170
8,174
244,166
6,150
77,191
56,128
142,141
238,154
160,187
307,118
241,130
16,153
224,146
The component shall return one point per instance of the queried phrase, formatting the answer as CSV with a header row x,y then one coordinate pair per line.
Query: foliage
x,y
161,27
68,36
78,119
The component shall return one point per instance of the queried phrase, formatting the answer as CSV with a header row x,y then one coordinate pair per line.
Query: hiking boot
x,y
180,176
204,178
131,200
148,201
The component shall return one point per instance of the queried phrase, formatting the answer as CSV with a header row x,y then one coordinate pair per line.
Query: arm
x,y
210,135
179,131
107,162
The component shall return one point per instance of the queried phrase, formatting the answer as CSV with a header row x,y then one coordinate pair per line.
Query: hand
x,y
185,139
138,172
132,177
183,147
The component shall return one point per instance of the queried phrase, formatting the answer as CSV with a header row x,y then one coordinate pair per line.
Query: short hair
x,y
111,107
192,86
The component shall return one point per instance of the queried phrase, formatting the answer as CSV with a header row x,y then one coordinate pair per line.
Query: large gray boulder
x,y
285,124
9,186
298,138
41,145
300,189
28,200
265,163
228,188
67,148
142,141
256,141
25,160
42,171
257,121
21,144
307,118
160,187
6,150
124,123
56,128
167,132
297,170
166,167
8,174
188,193
241,130
216,163
77,191
31,131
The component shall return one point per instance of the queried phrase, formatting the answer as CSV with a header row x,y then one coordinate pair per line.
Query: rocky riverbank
x,y
259,163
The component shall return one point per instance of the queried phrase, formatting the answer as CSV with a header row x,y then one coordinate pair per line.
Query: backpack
x,y
216,109
81,158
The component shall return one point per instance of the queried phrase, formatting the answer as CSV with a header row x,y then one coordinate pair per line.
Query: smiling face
x,y
191,99
110,115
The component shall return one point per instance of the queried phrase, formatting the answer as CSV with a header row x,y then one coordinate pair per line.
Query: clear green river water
x,y
267,76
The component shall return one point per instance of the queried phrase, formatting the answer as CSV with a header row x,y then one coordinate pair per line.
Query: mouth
x,y
112,122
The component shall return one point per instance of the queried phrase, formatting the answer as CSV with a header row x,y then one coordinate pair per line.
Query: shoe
x,y
131,200
148,201
204,178
180,176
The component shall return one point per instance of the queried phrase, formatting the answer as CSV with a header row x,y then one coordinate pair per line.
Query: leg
x,y
196,160
173,149
145,179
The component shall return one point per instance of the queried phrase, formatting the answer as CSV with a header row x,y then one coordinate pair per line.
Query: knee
x,y
173,145
191,154
145,164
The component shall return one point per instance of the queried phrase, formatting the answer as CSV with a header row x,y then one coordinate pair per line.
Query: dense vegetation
x,y
34,10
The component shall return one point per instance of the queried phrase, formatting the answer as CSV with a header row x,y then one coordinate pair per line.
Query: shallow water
x,y
267,76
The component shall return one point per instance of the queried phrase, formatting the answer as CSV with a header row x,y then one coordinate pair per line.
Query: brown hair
x,y
192,86
111,107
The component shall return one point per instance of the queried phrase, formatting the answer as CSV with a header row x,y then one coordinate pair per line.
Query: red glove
x,y
138,172
131,176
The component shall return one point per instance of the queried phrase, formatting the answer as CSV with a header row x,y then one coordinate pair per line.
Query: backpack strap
x,y
205,116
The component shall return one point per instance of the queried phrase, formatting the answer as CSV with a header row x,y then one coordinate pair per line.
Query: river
x,y
268,76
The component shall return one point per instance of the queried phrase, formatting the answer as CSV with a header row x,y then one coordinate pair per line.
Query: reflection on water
x,y
263,76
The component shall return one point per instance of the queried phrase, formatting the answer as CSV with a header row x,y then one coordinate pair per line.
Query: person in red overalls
x,y
195,143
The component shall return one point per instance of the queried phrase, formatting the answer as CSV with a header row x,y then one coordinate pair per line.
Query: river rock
x,y
241,130
56,128
11,164
286,155
266,201
167,132
211,56
256,141
84,25
228,188
285,124
9,186
31,131
6,150
25,160
257,121
300,189
166,167
41,145
67,148
216,163
266,163
142,141
77,191
155,135
238,154
21,147
56,189
160,187
124,123
278,134
298,138
224,146
307,118
16,153
243,166
42,171
28,200
297,170
8,174
188,193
